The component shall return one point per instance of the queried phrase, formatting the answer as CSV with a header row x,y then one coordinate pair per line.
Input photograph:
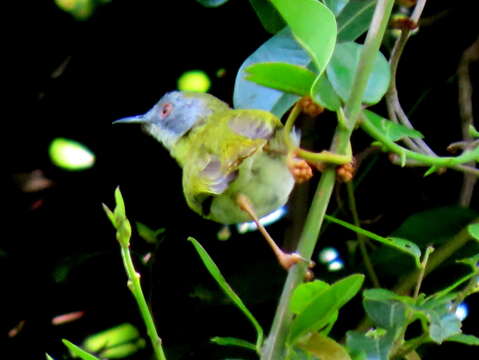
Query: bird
x,y
236,164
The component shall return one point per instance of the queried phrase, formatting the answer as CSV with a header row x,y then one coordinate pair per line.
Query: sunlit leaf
x,y
49,357
70,155
319,312
313,26
390,129
268,15
282,76
216,274
231,341
77,351
473,230
194,80
117,342
354,19
305,293
343,66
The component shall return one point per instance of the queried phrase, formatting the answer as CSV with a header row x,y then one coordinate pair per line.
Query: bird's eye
x,y
166,110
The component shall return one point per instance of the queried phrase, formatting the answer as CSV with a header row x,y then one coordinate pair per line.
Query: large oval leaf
x,y
313,26
343,66
280,48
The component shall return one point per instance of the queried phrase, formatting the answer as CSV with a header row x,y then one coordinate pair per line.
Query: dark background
x,y
58,252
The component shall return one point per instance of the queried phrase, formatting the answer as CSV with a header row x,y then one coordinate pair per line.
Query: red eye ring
x,y
166,109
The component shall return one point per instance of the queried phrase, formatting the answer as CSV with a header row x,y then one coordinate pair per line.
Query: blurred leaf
x,y
70,154
374,345
268,15
402,245
323,93
280,48
212,3
216,273
386,295
77,351
343,66
336,6
48,357
313,26
117,342
231,341
282,76
354,19
464,339
323,347
148,234
390,129
473,230
305,293
319,312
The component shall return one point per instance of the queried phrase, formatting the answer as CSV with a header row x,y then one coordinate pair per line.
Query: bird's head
x,y
174,115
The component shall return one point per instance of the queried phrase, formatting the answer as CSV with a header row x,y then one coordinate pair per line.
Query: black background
x,y
124,58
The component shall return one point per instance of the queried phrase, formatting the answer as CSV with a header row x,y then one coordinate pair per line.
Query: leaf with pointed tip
x,y
305,293
78,352
232,341
393,131
216,273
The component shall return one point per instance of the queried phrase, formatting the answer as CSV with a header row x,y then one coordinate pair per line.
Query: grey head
x,y
175,114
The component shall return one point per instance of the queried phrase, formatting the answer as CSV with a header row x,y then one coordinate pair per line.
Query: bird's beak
x,y
130,119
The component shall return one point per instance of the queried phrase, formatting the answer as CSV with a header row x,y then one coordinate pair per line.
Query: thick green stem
x,y
275,345
135,287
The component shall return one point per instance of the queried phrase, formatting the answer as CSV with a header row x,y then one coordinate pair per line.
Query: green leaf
x,y
212,3
387,314
48,357
323,93
473,230
343,66
336,6
354,19
313,26
288,78
390,129
323,347
318,312
216,273
120,204
248,95
402,245
148,234
77,351
232,341
305,293
386,295
117,342
268,15
374,345
464,339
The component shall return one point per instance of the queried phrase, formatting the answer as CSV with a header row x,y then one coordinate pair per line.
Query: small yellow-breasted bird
x,y
234,161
